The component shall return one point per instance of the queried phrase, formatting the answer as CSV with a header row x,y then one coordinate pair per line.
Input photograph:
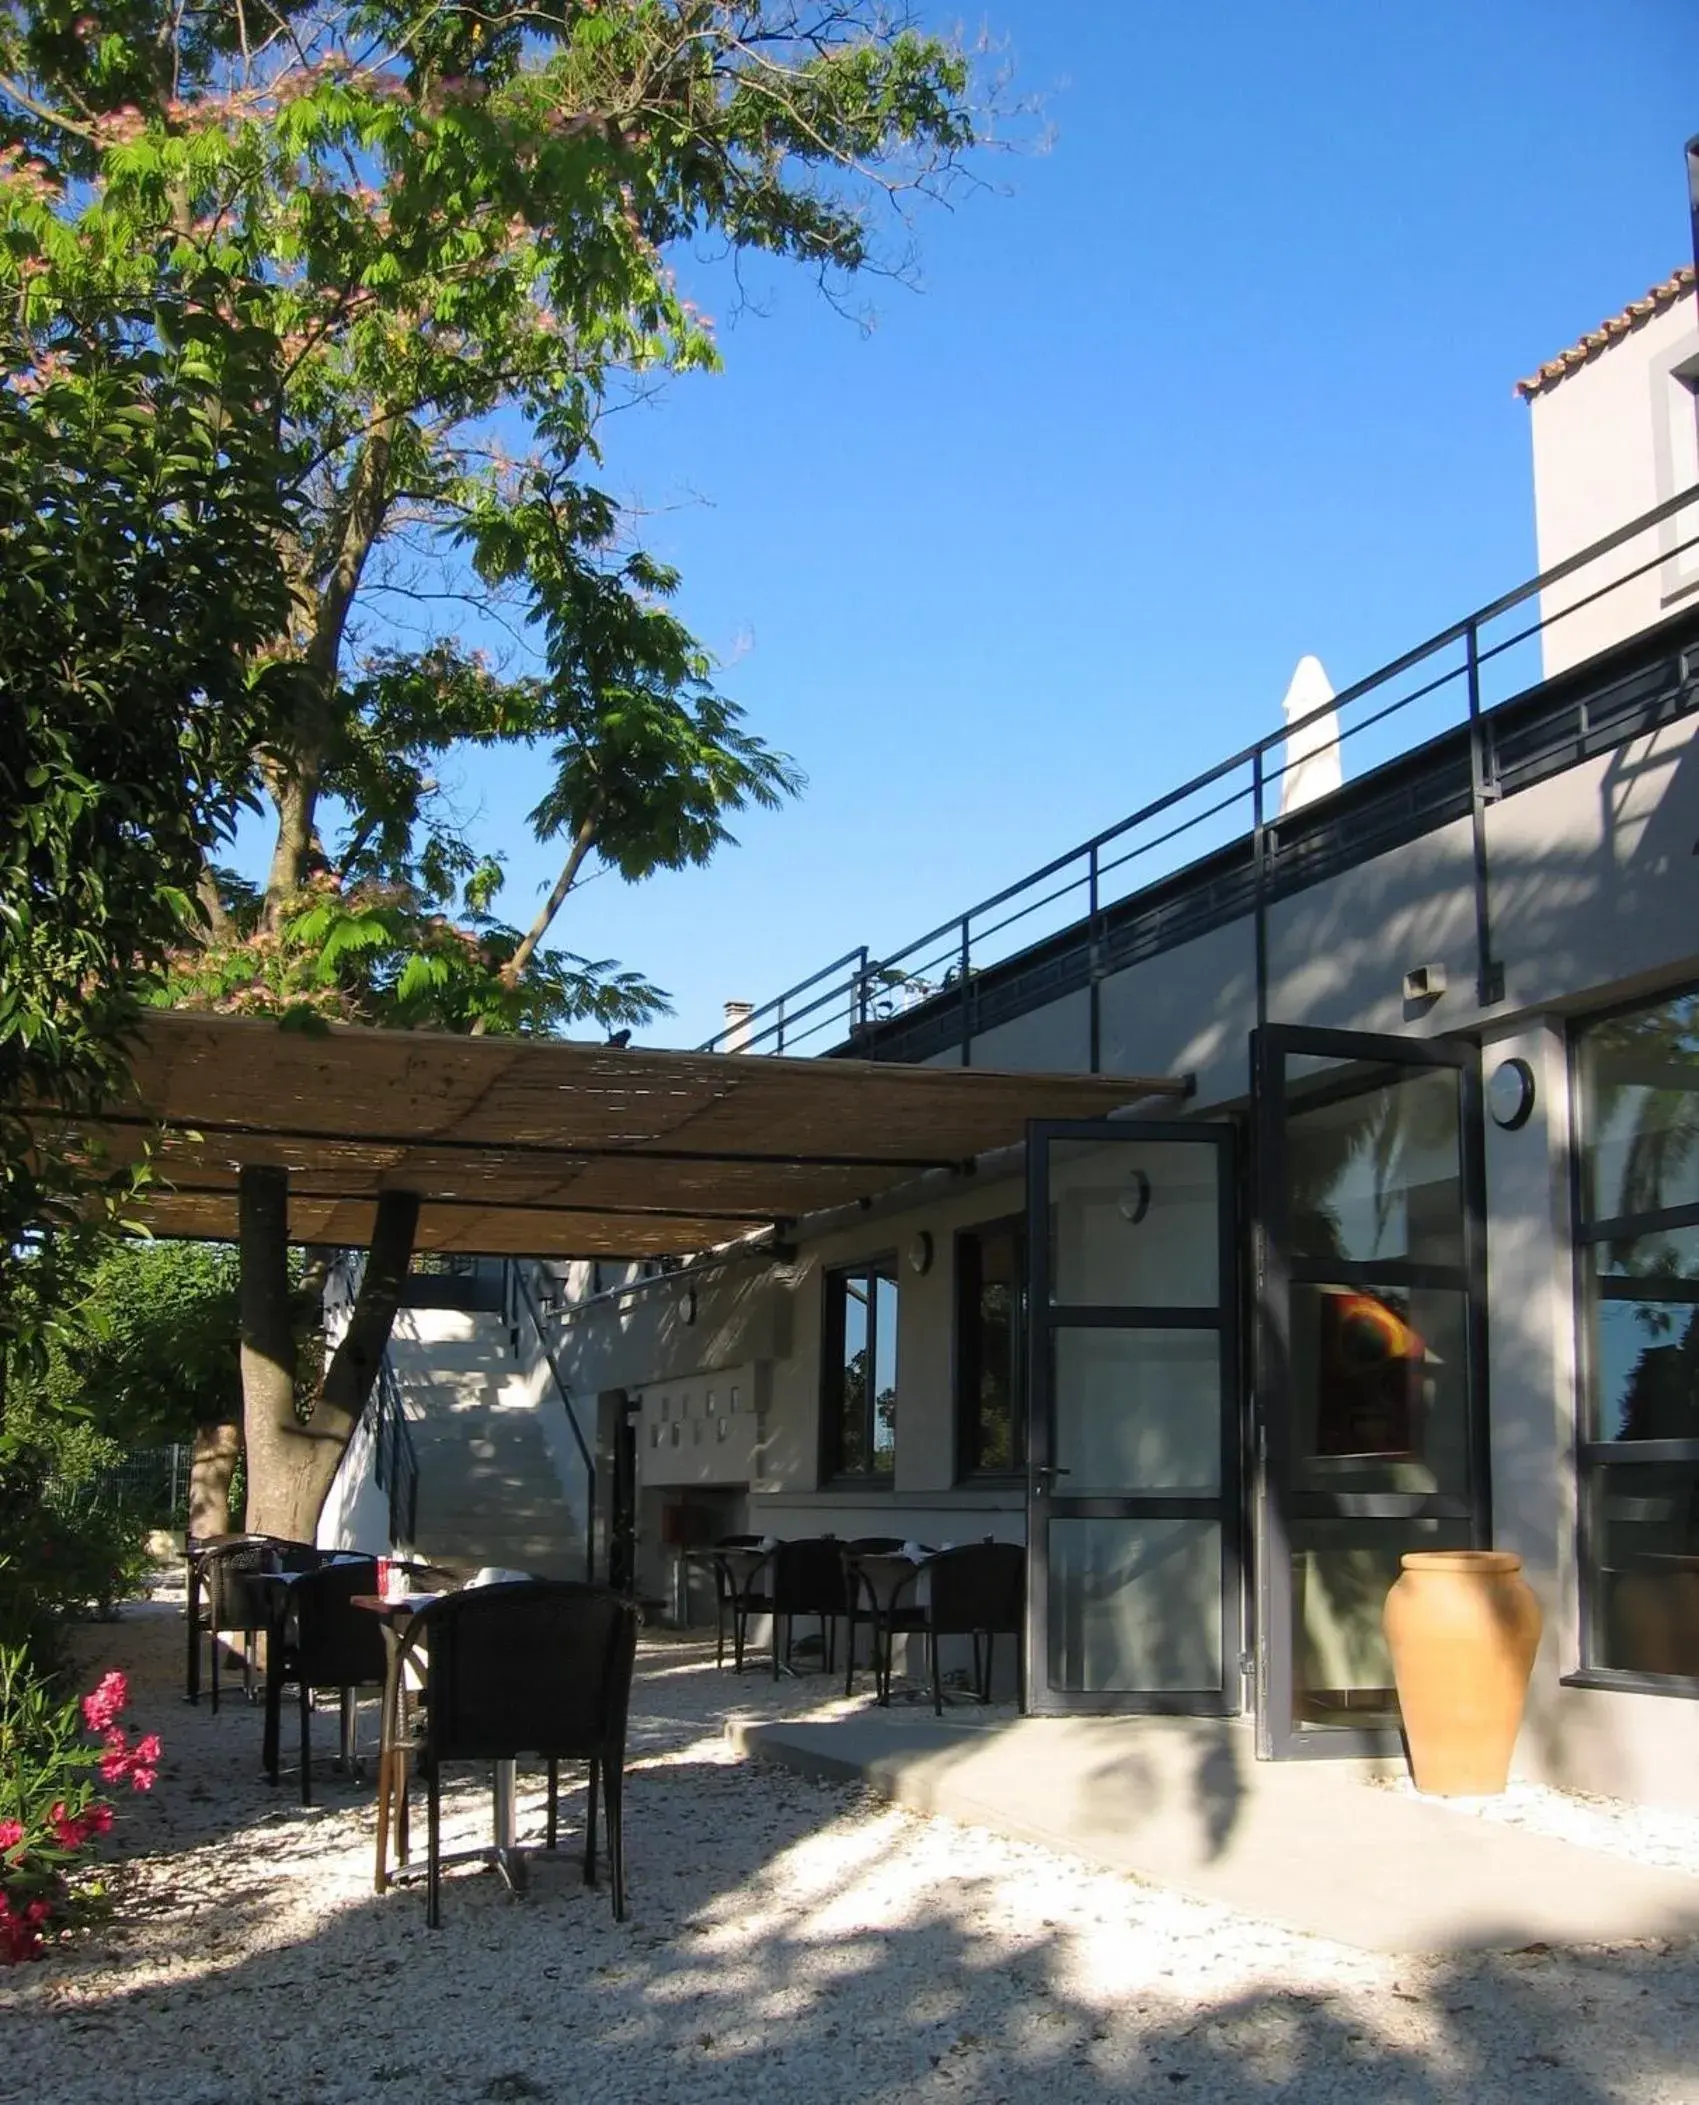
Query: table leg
x,y
192,1674
269,1751
509,1862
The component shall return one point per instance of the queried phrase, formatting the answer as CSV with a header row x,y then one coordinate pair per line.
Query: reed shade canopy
x,y
549,1147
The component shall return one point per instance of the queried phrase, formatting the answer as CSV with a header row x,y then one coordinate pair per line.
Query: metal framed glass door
x,y
1371,1362
1133,1445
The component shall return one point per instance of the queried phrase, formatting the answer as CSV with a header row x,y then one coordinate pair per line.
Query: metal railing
x,y
396,1459
520,1306
1442,685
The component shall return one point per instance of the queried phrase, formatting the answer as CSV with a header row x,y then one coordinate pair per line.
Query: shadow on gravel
x,y
729,1983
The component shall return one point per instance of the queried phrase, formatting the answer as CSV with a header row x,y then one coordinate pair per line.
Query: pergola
x,y
548,1147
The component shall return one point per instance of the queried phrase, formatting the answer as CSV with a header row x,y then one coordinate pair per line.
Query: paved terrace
x,y
791,1941
1321,1847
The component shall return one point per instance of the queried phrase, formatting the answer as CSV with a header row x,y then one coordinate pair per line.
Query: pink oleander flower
x,y
68,1831
11,1834
98,1818
102,1709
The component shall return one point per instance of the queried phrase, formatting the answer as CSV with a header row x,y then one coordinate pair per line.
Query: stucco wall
x,y
1611,440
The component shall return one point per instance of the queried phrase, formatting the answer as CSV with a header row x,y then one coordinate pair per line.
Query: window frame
x,y
965,1367
880,1264
1591,1454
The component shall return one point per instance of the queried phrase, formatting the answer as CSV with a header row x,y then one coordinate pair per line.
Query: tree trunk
x,y
296,799
354,1365
212,1463
273,1433
291,1461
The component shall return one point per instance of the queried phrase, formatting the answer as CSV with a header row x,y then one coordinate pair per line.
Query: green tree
x,y
140,516
456,225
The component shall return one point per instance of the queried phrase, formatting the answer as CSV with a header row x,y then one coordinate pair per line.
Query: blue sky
x,y
1223,376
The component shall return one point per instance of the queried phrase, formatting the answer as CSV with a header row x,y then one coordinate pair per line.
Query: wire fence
x,y
151,1482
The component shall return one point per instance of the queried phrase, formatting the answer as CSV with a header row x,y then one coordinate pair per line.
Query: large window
x,y
859,1407
1638,1115
991,1350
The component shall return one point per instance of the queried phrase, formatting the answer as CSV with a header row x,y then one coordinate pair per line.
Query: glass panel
x,y
1135,1606
1134,1225
1645,1369
1646,1557
884,1373
1138,1411
1375,1174
852,1455
1342,1571
992,1272
1640,1079
1379,1389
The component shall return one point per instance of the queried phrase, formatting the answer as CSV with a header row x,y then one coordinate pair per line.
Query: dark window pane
x,y
1646,1369
1645,1537
853,1391
859,1405
1380,1389
990,1348
884,1426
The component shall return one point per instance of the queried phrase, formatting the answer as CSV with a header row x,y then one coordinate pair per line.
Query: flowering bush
x,y
51,1751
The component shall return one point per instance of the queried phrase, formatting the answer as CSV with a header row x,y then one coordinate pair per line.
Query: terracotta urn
x,y
1463,1626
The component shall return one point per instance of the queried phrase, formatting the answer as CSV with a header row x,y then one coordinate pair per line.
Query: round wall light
x,y
1134,1202
687,1305
920,1252
1510,1094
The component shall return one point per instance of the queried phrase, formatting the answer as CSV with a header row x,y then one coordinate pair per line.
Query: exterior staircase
x,y
500,1478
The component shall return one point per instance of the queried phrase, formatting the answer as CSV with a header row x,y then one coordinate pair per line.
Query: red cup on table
x,y
383,1578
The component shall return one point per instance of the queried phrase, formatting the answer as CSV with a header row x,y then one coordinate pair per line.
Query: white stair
x,y
499,1478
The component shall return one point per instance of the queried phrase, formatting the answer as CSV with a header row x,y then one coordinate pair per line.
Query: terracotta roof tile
x,y
1657,301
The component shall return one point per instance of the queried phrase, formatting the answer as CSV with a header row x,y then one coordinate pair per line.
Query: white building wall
x,y
1612,439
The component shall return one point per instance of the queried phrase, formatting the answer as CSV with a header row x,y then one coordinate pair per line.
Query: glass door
x,y
1133,1449
1371,1417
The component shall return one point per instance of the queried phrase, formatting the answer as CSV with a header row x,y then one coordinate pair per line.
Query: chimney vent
x,y
735,1036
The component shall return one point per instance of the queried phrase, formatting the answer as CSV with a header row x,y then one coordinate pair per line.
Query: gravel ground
x,y
1667,1840
787,1941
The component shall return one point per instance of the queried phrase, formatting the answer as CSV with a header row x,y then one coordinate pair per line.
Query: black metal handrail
x,y
521,1299
1206,812
396,1458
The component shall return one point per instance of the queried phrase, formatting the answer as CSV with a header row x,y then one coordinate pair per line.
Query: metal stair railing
x,y
521,1304
397,1458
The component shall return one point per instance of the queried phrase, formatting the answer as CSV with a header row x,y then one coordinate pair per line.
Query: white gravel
x,y
786,1941
1643,1834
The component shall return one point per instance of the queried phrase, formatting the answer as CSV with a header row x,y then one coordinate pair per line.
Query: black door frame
x,y
1277,1738
1225,1504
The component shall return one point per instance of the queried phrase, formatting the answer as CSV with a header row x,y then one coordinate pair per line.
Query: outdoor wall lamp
x,y
920,1253
1134,1202
1510,1094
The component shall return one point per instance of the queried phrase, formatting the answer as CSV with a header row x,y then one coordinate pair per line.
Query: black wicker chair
x,y
742,1583
806,1578
323,1641
882,1585
976,1591
226,1603
539,1667
856,1612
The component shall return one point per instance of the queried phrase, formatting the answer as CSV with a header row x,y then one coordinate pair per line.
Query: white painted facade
x,y
1615,437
